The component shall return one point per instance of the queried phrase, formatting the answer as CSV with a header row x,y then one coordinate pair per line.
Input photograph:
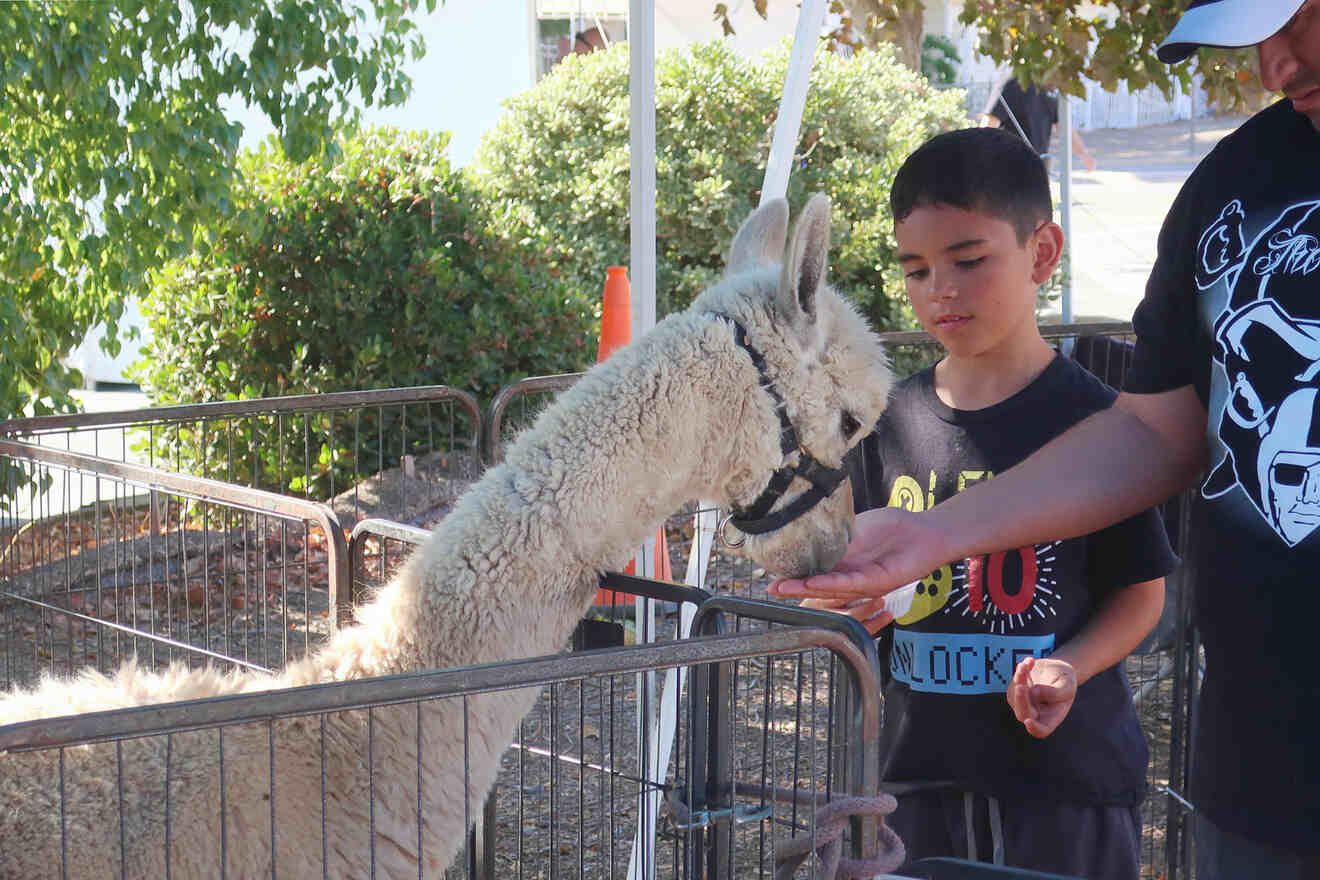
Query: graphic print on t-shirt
x,y
975,615
1268,345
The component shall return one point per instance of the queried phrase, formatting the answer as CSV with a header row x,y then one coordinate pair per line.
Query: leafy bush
x,y
556,164
376,271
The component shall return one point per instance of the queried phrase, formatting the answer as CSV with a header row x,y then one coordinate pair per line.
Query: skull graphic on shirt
x,y
1268,345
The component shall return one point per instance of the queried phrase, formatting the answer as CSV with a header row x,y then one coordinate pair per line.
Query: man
x,y
1033,113
1222,397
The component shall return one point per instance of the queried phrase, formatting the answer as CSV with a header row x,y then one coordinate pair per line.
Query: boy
x,y
1010,735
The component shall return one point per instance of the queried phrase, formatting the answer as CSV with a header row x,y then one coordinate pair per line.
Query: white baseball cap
x,y
1231,24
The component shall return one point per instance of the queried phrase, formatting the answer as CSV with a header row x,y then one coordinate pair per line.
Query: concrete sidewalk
x,y
1117,210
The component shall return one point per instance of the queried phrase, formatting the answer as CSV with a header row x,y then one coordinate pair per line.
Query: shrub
x,y
375,271
556,164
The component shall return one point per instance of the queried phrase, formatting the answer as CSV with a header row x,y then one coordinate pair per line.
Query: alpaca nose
x,y
827,552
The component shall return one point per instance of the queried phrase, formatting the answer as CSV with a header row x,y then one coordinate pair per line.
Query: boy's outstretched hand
x,y
1041,693
890,547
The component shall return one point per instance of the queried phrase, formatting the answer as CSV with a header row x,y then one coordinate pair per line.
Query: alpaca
x,y
683,412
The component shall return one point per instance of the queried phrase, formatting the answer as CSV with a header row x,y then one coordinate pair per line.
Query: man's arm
x,y
1116,463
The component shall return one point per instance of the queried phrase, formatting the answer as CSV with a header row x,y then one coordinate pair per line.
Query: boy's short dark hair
x,y
987,170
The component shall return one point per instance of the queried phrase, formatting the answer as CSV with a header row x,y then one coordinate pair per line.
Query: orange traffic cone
x,y
615,312
615,333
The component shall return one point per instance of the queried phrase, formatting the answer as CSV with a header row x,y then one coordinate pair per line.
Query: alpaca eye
x,y
848,424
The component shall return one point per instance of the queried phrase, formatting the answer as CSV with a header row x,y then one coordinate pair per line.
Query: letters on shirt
x,y
966,663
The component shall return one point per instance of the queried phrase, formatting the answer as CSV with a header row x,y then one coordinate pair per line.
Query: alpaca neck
x,y
652,428
639,427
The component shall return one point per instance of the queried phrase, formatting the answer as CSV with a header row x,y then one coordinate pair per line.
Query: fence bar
x,y
229,408
367,693
204,489
506,395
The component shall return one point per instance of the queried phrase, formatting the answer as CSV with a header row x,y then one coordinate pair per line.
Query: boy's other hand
x,y
890,547
1041,694
870,613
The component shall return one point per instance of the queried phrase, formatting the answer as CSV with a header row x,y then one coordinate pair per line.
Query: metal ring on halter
x,y
724,523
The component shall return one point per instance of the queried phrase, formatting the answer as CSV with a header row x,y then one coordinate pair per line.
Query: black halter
x,y
757,518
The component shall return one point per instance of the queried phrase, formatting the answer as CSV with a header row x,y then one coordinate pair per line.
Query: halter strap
x,y
756,519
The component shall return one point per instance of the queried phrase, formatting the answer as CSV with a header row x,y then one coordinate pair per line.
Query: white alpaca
x,y
679,414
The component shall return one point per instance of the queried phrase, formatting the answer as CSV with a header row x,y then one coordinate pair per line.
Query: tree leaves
x,y
114,149
1059,43
714,124
376,270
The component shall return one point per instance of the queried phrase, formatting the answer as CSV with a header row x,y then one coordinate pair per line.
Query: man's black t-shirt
x,y
951,654
1232,309
1036,112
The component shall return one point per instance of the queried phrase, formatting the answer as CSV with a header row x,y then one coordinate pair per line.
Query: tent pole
x,y
787,124
641,147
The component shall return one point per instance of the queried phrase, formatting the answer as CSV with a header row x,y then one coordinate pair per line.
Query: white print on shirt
x,y
1269,348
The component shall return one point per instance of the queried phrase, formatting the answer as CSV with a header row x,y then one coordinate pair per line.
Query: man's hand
x,y
1041,694
890,547
870,613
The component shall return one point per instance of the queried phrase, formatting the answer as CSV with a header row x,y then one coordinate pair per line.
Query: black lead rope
x,y
757,519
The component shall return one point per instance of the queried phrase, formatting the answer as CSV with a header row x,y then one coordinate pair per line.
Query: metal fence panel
x,y
125,561
341,779
402,451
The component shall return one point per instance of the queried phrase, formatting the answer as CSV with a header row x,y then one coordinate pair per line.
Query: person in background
x,y
1223,397
1033,114
584,42
588,41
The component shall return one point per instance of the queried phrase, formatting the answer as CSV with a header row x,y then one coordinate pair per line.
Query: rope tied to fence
x,y
827,842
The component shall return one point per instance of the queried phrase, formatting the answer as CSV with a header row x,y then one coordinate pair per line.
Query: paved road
x,y
1117,209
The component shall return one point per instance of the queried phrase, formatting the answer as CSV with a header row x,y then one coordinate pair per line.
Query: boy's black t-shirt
x,y
1232,309
951,656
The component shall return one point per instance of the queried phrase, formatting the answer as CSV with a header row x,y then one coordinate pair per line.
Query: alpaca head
x,y
821,366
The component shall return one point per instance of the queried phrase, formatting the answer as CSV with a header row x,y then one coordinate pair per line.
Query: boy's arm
x,y
1042,691
1116,463
1123,620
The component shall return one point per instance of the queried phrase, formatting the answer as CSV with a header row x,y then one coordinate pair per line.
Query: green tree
x,y
715,119
375,270
115,147
1058,43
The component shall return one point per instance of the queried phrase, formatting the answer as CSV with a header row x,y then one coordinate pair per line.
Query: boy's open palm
x,y
1041,694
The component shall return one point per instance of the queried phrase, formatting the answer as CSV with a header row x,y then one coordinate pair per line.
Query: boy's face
x,y
972,285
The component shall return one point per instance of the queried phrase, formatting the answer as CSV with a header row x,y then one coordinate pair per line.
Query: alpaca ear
x,y
760,239
804,269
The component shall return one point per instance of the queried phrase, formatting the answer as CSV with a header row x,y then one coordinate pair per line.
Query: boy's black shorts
x,y
1097,843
